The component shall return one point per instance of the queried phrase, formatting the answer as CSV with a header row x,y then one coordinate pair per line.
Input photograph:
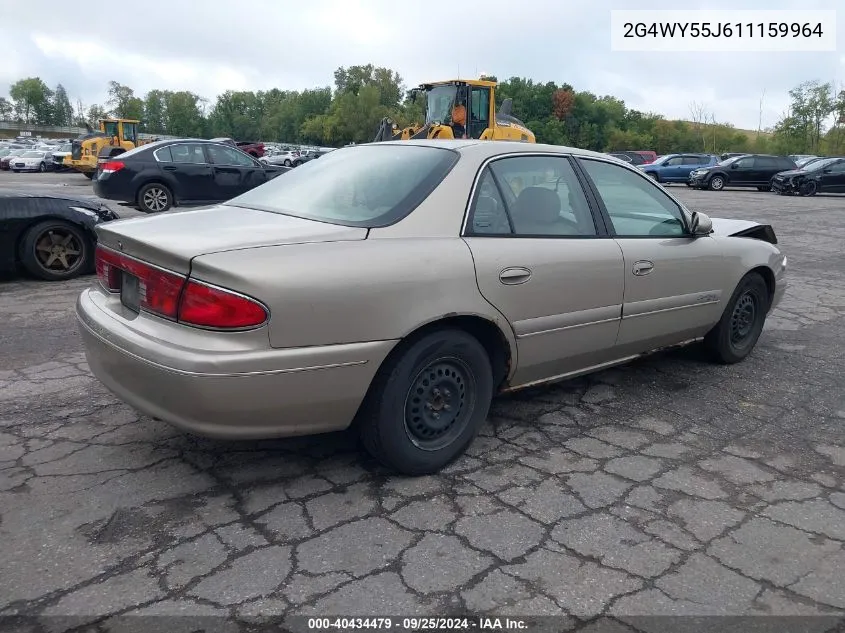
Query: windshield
x,y
818,164
110,128
367,185
439,104
730,160
32,155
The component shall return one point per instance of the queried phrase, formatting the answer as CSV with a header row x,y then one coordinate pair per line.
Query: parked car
x,y
649,155
253,148
750,170
677,167
156,176
823,176
632,158
59,154
50,236
402,285
284,158
803,162
33,160
12,154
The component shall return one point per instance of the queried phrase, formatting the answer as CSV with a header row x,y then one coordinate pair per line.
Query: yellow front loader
x,y
114,137
460,108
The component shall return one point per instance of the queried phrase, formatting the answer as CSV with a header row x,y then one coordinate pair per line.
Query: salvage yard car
x,y
156,176
822,176
399,286
36,160
751,170
50,236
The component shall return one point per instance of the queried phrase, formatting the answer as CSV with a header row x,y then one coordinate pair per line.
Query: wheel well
x,y
155,181
769,277
485,332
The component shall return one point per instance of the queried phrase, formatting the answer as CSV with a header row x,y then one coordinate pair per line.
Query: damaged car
x,y
821,176
397,287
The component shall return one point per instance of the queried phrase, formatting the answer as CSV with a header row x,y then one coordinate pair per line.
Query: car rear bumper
x,y
224,393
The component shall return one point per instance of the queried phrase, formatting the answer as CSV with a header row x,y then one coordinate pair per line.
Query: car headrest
x,y
536,204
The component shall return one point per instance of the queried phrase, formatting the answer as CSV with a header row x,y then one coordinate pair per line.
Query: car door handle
x,y
514,275
643,267
169,168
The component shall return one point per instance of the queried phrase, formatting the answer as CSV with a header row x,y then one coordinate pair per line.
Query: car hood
x,y
174,238
792,172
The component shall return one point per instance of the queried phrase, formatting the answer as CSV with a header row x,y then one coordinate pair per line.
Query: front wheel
x,y
717,183
287,163
427,403
736,334
654,176
42,168
56,250
154,198
809,188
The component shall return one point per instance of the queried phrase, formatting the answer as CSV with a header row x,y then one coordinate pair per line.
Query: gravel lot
x,y
670,486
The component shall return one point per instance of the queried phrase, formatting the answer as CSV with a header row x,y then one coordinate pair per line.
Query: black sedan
x,y
51,237
157,176
822,176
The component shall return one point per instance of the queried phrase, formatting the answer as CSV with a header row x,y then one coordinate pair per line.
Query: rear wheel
x,y
717,183
154,198
428,402
56,250
736,334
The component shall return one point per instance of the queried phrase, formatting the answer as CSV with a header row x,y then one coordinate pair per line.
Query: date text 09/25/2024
x,y
418,624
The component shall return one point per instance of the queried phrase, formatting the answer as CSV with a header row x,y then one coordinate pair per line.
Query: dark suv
x,y
750,170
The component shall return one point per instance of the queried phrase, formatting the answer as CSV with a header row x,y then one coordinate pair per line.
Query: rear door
x,y
766,167
187,170
543,261
672,281
234,171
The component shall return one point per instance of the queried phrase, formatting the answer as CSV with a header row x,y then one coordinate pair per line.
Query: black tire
x,y
154,197
287,162
55,250
42,168
654,176
444,373
717,183
810,188
737,332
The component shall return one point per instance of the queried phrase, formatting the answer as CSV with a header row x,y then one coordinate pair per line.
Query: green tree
x,y
183,115
32,100
94,114
123,102
387,82
7,110
155,111
62,110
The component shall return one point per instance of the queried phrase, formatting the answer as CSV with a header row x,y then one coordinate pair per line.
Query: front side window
x,y
364,185
637,207
222,155
672,162
836,168
693,160
743,163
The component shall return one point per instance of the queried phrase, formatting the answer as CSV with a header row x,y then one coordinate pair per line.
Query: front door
x,y
235,172
672,170
545,264
741,172
672,280
833,178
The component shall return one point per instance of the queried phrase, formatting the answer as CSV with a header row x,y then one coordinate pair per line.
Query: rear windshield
x,y
367,185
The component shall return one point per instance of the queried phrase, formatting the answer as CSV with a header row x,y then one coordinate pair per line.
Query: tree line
x,y
350,110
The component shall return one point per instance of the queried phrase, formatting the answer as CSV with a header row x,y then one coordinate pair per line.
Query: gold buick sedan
x,y
399,286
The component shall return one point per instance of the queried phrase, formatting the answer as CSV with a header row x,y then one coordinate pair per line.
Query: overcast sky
x,y
209,46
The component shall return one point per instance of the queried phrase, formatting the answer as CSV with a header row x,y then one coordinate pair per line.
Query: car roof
x,y
487,149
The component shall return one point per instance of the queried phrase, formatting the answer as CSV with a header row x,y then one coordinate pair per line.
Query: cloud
x,y
212,46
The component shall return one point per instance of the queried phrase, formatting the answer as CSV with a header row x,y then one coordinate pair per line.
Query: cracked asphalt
x,y
666,487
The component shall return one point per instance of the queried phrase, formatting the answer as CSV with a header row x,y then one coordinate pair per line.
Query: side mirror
x,y
700,224
734,166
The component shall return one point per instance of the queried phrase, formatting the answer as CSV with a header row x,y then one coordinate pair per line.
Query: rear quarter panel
x,y
346,292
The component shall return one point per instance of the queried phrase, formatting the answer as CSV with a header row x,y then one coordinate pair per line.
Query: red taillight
x,y
207,306
176,297
111,166
107,263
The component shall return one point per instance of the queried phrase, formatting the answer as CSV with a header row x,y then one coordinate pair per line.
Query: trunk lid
x,y
172,239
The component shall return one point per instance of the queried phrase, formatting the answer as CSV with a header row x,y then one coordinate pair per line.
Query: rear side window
x,y
365,185
693,160
787,163
767,162
187,153
163,155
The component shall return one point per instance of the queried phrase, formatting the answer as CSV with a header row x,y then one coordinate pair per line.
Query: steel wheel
x,y
743,318
439,403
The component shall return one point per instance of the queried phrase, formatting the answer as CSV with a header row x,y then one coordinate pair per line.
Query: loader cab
x,y
124,130
472,100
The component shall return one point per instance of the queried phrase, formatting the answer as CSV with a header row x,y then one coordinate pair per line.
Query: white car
x,y
31,161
